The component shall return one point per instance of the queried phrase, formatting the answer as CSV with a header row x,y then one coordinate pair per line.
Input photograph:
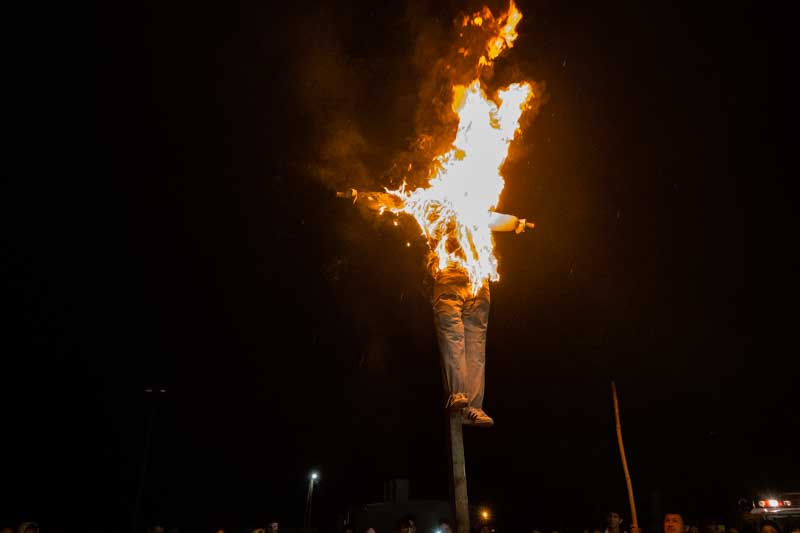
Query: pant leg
x,y
448,303
476,322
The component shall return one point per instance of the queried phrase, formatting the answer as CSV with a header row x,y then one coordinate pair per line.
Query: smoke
x,y
329,86
377,91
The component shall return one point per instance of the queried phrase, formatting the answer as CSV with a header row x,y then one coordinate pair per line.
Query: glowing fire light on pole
x,y
454,208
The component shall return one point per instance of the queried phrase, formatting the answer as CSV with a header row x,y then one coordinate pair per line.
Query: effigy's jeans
x,y
461,321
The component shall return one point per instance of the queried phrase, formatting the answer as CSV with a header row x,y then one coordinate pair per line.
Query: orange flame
x,y
506,33
454,210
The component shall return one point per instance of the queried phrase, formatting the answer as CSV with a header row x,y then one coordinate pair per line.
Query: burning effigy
x,y
455,211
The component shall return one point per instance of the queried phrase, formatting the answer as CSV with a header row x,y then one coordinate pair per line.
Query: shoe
x,y
456,401
472,416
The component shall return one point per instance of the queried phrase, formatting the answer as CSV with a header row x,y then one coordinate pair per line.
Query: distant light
x,y
485,514
408,245
162,390
437,531
395,222
773,503
314,475
148,390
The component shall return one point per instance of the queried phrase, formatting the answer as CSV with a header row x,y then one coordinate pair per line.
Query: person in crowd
x,y
674,523
768,526
407,525
28,527
614,523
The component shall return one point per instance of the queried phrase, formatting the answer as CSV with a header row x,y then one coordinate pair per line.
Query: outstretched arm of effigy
x,y
503,222
373,200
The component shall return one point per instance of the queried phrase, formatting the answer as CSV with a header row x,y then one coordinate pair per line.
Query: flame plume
x,y
454,209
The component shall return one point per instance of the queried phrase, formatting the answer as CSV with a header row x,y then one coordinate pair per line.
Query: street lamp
x,y
312,479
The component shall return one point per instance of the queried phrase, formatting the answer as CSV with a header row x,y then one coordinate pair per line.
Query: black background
x,y
195,245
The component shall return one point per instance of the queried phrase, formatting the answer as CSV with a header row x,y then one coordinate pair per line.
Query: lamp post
x,y
312,479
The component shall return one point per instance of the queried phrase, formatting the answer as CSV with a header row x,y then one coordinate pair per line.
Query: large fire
x,y
454,209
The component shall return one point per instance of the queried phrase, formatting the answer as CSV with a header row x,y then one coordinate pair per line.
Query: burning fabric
x,y
456,212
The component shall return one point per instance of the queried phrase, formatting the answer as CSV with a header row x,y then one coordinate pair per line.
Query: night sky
x,y
196,245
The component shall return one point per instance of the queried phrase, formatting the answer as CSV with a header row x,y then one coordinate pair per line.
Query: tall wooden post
x,y
634,521
458,473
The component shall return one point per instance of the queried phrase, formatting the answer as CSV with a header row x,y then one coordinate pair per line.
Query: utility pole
x,y
312,478
458,472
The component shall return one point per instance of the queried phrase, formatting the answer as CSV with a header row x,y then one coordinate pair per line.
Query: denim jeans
x,y
461,321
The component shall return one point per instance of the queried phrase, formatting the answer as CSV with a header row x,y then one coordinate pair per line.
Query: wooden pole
x,y
458,471
634,521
